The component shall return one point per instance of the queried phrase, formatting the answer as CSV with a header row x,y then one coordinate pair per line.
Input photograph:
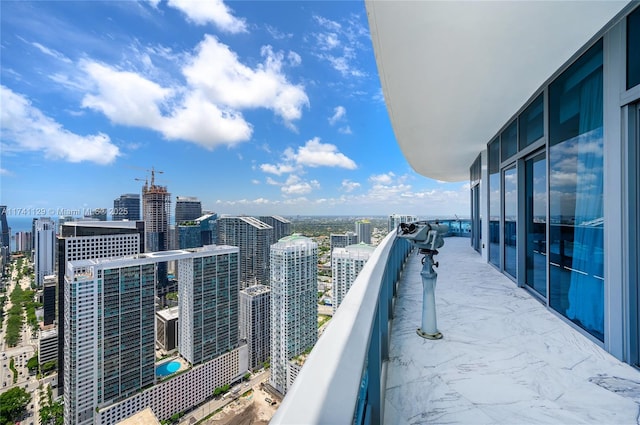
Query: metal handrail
x,y
342,379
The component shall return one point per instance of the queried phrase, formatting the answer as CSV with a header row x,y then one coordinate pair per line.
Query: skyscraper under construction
x,y
156,212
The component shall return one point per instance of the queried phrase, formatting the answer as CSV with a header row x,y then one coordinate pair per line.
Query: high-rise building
x,y
156,212
109,344
395,220
252,236
50,283
5,236
294,308
342,240
363,230
188,208
208,284
255,323
45,248
346,264
24,241
126,207
281,226
209,228
188,235
88,240
117,298
167,328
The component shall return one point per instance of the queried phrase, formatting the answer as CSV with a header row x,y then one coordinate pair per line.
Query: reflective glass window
x,y
633,49
531,123
494,202
509,141
576,249
510,184
536,220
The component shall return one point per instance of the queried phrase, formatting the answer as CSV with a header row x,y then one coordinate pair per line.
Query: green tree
x,y
12,404
32,363
247,376
48,366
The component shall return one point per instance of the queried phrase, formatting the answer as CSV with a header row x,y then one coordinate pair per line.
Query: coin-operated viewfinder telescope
x,y
428,237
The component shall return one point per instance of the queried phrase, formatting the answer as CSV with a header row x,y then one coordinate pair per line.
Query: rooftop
x,y
504,358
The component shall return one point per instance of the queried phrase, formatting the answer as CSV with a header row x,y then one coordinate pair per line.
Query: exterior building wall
x,y
208,284
24,241
167,328
82,241
44,246
294,309
180,392
49,299
281,226
126,207
562,217
48,346
187,209
346,264
363,230
252,236
109,342
255,323
342,240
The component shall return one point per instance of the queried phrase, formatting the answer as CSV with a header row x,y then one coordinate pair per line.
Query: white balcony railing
x,y
342,380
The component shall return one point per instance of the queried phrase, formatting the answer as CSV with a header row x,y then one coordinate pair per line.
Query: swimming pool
x,y
168,368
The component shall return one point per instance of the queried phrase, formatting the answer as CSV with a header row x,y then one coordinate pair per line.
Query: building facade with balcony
x,y
548,134
540,311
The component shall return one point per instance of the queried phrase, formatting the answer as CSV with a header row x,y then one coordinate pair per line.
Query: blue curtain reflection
x,y
576,249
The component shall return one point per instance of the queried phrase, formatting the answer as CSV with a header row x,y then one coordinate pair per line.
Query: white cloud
x,y
296,186
51,52
210,11
277,169
344,130
5,172
349,186
312,154
294,58
217,72
338,44
208,110
339,113
317,154
327,23
382,178
26,128
125,97
276,33
200,121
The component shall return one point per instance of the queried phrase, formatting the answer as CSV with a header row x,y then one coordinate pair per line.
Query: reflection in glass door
x,y
476,223
510,185
536,224
636,273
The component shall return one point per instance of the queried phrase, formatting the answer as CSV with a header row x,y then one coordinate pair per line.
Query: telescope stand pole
x,y
429,329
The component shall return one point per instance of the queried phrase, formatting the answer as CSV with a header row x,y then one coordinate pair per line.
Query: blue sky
x,y
255,107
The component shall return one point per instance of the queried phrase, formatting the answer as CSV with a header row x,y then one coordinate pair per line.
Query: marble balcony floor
x,y
504,359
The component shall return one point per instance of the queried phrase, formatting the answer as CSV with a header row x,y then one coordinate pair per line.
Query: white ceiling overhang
x,y
454,72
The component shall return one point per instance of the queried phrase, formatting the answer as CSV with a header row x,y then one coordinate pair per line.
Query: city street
x,y
26,348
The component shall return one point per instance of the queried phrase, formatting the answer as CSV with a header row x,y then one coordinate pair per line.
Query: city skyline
x,y
255,108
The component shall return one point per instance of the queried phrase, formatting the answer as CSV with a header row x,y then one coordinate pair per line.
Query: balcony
x,y
505,357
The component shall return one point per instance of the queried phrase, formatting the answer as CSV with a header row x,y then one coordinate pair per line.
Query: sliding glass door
x,y
536,224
